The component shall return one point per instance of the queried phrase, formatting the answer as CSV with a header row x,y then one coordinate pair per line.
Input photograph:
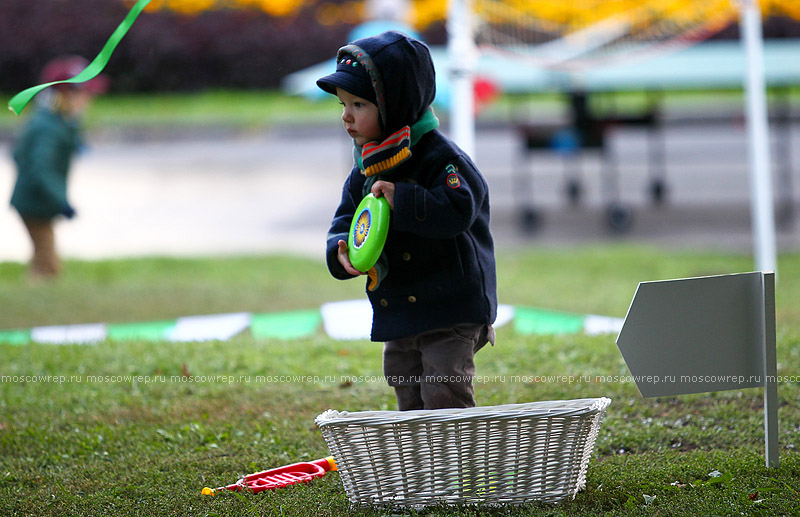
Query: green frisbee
x,y
368,232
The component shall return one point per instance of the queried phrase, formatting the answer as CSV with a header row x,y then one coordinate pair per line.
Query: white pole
x,y
394,10
462,53
761,196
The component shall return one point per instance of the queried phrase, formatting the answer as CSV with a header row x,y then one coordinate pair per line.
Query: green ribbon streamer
x,y
20,100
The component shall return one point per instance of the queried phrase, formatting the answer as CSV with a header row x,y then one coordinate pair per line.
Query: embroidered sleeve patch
x,y
453,181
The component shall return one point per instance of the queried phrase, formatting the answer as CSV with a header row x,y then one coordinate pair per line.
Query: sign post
x,y
704,334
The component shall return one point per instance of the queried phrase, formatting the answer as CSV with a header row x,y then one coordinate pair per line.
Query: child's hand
x,y
385,189
344,259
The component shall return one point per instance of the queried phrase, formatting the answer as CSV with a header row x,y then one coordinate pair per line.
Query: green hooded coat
x,y
43,154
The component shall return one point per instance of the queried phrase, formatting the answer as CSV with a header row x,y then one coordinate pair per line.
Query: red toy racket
x,y
279,477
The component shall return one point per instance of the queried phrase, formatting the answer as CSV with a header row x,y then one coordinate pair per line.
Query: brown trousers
x,y
435,369
45,262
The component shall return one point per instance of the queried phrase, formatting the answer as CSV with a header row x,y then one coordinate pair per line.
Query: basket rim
x,y
539,409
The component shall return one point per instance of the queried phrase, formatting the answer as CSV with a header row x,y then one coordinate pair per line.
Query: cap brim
x,y
98,85
347,82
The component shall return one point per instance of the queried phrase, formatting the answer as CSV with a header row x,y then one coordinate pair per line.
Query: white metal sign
x,y
697,335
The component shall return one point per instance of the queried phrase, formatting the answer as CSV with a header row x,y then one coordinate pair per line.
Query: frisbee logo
x,y
361,230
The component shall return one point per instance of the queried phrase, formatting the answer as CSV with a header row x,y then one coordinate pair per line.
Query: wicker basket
x,y
513,453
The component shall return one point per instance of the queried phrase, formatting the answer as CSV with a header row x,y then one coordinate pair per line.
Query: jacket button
x,y
384,302
406,256
412,299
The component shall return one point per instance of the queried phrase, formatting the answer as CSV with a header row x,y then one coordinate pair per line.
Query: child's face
x,y
360,118
74,101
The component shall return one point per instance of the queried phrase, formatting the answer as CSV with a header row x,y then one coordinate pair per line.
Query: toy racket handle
x,y
279,477
327,463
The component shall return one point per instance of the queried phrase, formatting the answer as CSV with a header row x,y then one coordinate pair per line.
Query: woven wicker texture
x,y
513,453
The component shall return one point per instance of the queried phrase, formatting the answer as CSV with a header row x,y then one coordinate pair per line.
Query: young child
x,y
433,290
43,154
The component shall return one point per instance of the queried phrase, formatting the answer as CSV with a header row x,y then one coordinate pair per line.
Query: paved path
x,y
276,191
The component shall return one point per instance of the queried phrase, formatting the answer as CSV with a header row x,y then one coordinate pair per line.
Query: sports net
x,y
575,34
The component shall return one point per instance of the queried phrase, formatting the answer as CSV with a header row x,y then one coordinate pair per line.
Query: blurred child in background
x,y
43,154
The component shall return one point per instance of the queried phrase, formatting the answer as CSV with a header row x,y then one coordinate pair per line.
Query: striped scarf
x,y
376,157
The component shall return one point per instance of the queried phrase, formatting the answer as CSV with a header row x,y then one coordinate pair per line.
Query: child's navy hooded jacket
x,y
437,268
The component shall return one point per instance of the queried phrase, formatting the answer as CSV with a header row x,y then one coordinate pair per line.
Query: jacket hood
x,y
402,76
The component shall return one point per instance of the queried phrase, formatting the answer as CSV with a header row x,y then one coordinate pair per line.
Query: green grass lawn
x,y
102,443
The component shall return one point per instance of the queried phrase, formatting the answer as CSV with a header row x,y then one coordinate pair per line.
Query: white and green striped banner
x,y
351,319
